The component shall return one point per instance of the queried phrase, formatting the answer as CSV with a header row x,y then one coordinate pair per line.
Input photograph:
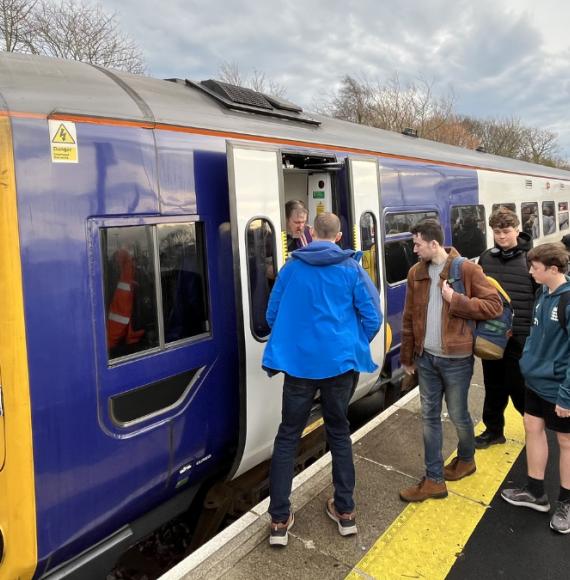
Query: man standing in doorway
x,y
507,263
437,340
323,313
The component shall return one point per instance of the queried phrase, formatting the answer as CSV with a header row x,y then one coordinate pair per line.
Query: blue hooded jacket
x,y
544,362
323,312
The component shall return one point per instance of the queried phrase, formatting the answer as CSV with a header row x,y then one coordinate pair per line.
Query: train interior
x,y
316,181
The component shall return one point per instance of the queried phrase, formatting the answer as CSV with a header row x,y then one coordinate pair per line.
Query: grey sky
x,y
500,57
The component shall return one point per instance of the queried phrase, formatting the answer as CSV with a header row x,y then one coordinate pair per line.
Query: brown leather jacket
x,y
481,302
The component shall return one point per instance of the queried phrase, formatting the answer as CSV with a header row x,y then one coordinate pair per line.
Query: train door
x,y
365,202
259,244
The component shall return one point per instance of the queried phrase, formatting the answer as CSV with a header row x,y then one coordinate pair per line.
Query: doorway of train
x,y
261,182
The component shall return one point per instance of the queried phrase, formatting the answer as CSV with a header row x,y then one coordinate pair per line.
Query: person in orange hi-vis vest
x,y
119,320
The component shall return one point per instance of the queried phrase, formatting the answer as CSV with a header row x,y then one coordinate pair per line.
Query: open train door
x,y
365,197
255,186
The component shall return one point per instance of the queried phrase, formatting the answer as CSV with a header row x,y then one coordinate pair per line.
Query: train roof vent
x,y
282,103
244,99
562,186
409,132
237,94
528,183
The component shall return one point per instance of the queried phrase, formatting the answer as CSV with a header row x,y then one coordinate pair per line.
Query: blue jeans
x,y
298,395
451,377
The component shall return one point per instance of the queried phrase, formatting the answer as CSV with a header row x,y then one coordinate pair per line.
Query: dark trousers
x,y
503,379
298,395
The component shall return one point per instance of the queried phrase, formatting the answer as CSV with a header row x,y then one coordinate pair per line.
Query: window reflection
x,y
400,223
260,240
369,246
529,222
548,217
468,230
399,258
130,296
183,281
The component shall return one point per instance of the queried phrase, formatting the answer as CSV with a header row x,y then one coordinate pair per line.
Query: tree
x,y
71,30
229,72
15,24
394,107
391,106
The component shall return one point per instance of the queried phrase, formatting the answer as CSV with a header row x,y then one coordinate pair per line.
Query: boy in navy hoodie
x,y
323,312
545,367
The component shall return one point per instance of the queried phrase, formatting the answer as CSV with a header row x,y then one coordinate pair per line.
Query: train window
x,y
369,246
399,257
260,242
548,217
529,222
563,215
510,206
468,230
400,223
130,290
183,280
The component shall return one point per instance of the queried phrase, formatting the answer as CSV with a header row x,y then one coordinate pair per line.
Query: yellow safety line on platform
x,y
428,537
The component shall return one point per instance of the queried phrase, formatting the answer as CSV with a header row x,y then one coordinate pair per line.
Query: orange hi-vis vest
x,y
121,307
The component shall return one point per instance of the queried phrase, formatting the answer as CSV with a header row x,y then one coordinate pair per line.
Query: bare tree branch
x,y
15,24
67,29
229,72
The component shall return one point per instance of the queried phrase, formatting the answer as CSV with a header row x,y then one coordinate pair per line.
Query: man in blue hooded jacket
x,y
323,313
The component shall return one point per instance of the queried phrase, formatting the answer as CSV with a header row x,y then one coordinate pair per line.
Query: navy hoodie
x,y
544,363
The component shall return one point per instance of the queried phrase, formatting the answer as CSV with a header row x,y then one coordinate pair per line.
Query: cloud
x,y
496,57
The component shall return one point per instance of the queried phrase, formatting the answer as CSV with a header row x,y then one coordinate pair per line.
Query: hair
x,y
504,218
295,206
566,241
430,230
326,226
554,254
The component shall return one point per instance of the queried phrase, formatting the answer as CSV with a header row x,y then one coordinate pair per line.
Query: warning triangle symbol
x,y
62,135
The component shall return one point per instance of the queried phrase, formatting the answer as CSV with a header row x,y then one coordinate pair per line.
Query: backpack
x,y
490,337
560,309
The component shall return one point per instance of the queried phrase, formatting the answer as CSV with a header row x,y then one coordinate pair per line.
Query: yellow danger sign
x,y
62,135
63,142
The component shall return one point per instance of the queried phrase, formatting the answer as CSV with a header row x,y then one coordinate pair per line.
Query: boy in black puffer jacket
x,y
507,263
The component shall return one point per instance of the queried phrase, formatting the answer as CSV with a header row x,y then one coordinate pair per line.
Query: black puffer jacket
x,y
510,269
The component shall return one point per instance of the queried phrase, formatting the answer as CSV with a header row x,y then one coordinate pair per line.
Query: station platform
x,y
471,534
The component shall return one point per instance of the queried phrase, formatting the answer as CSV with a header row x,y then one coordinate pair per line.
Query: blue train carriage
x,y
142,228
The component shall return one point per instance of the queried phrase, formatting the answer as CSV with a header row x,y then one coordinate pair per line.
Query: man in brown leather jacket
x,y
437,340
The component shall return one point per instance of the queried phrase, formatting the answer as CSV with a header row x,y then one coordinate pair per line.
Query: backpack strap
x,y
561,310
455,278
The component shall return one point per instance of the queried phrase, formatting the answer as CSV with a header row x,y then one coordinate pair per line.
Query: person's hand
x,y
409,370
562,412
446,291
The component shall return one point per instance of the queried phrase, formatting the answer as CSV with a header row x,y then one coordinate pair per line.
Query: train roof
x,y
31,84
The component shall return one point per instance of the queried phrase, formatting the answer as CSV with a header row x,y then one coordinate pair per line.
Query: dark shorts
x,y
539,407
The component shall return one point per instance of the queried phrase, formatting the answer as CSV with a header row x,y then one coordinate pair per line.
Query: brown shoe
x,y
425,489
458,469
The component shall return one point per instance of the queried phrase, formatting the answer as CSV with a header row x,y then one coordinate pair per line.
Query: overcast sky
x,y
500,57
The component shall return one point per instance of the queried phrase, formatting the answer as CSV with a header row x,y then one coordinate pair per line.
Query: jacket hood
x,y
322,254
524,242
560,290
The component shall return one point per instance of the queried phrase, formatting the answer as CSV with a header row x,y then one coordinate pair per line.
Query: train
x,y
141,224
